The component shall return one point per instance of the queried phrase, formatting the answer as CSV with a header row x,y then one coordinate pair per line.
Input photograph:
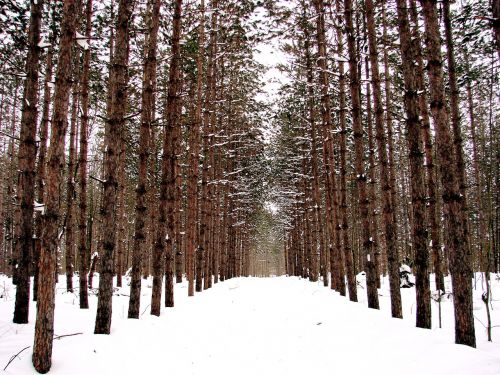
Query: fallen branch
x,y
96,179
9,135
14,357
145,309
57,337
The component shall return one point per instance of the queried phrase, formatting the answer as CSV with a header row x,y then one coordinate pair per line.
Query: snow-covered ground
x,y
280,325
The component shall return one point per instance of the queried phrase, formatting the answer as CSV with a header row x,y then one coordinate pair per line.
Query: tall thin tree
x,y
366,238
83,250
388,217
44,327
115,123
27,159
456,240
147,118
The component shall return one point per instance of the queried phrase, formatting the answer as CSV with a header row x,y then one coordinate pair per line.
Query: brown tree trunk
x,y
192,186
328,159
120,214
413,126
167,175
349,261
390,139
147,117
429,157
41,164
44,327
456,240
27,159
70,184
455,122
83,250
114,129
366,237
371,178
199,220
385,186
9,232
207,220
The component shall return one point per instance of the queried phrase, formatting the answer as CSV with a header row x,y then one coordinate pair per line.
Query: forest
x,y
140,148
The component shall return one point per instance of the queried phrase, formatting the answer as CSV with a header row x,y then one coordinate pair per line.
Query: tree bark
x,y
385,185
349,261
168,169
44,327
456,240
83,250
366,238
413,126
147,118
199,220
114,129
70,182
27,159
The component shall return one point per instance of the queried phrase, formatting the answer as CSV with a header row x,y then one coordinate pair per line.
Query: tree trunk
x,y
349,261
385,186
366,237
42,154
197,127
371,178
429,156
390,139
83,250
192,185
167,175
44,327
328,159
27,159
456,240
120,214
9,232
114,129
147,117
70,183
413,126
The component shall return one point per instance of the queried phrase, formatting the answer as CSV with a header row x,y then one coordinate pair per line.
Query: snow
x,y
38,207
43,44
279,325
405,268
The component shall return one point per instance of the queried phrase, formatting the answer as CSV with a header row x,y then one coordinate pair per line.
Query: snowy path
x,y
246,326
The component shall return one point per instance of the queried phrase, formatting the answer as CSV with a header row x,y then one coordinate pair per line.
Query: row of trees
x,y
388,148
157,95
157,164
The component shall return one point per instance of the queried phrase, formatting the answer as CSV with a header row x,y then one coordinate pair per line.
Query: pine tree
x,y
388,217
44,327
114,129
83,250
366,237
456,240
147,118
27,159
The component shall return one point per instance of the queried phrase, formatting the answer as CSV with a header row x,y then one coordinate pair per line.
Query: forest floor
x,y
279,325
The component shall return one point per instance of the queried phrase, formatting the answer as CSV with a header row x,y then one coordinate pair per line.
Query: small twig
x,y
14,357
131,116
145,309
97,179
9,135
479,320
57,337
